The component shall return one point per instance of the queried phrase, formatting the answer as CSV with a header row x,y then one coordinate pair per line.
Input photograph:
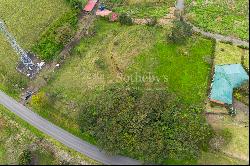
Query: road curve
x,y
61,135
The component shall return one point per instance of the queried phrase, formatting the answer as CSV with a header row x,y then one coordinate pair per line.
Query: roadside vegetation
x,y
220,16
23,144
19,145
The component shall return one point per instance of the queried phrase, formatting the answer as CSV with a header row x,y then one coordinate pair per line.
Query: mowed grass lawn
x,y
98,61
26,20
144,8
185,69
220,16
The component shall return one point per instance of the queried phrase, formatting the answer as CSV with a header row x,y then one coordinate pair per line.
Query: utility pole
x,y
25,59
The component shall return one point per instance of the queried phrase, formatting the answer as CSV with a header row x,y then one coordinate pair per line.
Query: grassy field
x,y
220,16
143,8
82,74
16,135
229,54
26,20
236,151
15,139
116,53
185,68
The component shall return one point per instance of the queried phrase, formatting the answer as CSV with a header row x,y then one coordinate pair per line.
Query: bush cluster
x,y
125,19
25,158
148,125
59,34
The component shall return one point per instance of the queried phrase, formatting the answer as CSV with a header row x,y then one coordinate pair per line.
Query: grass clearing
x,y
26,20
117,46
184,68
218,158
237,149
127,51
143,8
229,54
16,135
220,16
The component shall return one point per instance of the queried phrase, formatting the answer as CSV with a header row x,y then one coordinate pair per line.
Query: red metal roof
x,y
90,6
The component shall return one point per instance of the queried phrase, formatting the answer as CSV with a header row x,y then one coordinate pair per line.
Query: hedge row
x,y
59,33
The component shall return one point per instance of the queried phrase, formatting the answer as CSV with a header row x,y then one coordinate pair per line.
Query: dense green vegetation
x,y
180,33
57,36
220,16
151,125
141,8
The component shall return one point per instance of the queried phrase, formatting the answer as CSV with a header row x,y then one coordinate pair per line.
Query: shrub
x,y
64,34
152,21
100,64
77,4
54,39
40,100
25,158
181,31
125,19
148,125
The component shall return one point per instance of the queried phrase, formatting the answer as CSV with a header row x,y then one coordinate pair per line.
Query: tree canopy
x,y
149,125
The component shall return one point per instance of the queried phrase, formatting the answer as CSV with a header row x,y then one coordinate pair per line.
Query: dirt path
x,y
180,5
219,37
241,106
85,21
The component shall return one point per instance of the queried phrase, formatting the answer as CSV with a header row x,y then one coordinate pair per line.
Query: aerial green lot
x,y
220,16
118,50
26,20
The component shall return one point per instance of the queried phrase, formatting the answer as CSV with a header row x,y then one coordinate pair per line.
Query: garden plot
x,y
220,16
229,54
26,20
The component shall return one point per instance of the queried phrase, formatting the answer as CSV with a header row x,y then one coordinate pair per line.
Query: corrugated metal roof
x,y
90,5
226,78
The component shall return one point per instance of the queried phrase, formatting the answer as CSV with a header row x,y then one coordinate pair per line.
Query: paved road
x,y
61,135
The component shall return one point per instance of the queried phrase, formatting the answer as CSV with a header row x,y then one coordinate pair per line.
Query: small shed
x,y
226,78
103,13
114,17
90,5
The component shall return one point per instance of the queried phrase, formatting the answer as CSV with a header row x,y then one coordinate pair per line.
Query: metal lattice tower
x,y
23,55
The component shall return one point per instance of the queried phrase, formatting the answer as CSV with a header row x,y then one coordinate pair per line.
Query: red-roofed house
x,y
90,5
